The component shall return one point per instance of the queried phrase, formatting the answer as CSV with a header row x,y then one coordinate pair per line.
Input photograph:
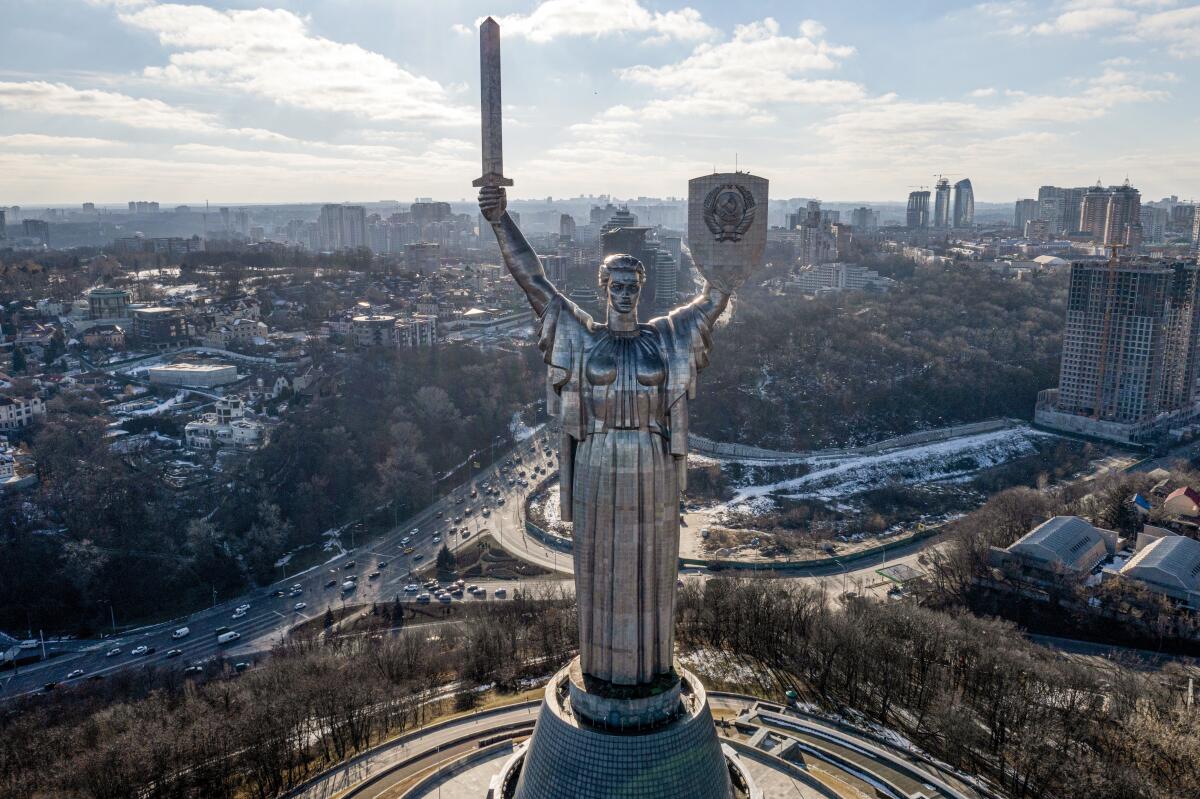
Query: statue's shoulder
x,y
561,308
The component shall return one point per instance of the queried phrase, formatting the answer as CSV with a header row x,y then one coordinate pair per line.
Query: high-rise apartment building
x,y
1112,215
864,220
566,228
36,229
1129,349
917,215
3,225
343,227
941,204
964,204
1024,211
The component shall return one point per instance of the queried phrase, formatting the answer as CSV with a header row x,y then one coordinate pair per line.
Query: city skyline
x,y
259,102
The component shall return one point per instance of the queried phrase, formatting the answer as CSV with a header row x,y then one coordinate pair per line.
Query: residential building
x,y
864,220
1112,215
830,277
1025,210
941,204
342,227
423,257
18,412
36,229
172,246
193,375
1037,230
1129,361
964,204
8,462
226,428
108,303
159,327
1183,501
104,337
918,210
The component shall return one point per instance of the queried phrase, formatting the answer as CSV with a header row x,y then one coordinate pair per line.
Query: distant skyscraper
x,y
343,227
1025,211
666,280
3,225
918,210
36,229
964,204
566,228
864,220
941,204
1112,215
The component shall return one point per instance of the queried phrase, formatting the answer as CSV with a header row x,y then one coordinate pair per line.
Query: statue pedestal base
x,y
596,741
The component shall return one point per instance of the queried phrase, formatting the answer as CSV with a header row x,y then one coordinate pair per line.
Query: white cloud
x,y
42,142
271,53
561,18
757,68
1151,22
986,92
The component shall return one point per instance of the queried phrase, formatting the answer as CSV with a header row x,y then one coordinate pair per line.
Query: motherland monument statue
x,y
623,719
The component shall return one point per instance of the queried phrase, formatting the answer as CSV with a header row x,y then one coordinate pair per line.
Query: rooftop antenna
x,y
735,162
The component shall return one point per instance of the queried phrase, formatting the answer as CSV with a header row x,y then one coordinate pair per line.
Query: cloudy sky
x,y
307,100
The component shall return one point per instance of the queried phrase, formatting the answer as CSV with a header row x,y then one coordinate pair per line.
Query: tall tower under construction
x,y
1129,357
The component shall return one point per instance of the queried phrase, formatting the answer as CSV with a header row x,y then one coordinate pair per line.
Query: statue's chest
x,y
625,363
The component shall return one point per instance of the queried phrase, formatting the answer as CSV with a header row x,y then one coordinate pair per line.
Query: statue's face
x,y
623,290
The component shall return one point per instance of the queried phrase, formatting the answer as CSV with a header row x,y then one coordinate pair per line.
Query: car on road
x,y
444,599
331,584
383,564
74,674
349,564
349,585
466,533
418,556
116,650
139,651
244,606
241,614
174,653
278,593
486,512
423,598
180,633
373,575
50,686
194,669
241,665
501,592
404,541
300,605
437,539
227,637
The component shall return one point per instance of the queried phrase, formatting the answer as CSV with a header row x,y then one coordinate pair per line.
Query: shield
x,y
727,226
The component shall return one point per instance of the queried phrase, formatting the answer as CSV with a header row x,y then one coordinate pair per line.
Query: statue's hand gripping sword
x,y
491,109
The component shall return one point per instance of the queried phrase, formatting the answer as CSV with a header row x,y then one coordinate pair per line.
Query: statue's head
x,y
621,277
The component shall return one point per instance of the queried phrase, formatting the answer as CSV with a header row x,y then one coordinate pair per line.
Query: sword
x,y
491,111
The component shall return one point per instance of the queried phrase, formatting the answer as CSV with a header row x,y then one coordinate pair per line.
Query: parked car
x,y
349,564
300,605
372,575
331,584
195,669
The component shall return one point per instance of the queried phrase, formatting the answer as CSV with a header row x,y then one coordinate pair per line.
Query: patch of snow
x,y
518,429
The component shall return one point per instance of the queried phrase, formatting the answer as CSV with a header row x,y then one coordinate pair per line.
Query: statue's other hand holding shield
x,y
727,227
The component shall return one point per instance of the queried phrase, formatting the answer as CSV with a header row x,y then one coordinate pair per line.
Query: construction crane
x,y
1110,287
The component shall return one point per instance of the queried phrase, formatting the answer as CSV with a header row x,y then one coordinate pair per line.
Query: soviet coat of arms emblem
x,y
729,212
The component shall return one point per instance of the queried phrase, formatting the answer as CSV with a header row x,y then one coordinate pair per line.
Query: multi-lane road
x,y
273,609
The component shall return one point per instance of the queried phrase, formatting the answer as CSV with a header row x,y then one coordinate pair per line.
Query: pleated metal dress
x,y
623,397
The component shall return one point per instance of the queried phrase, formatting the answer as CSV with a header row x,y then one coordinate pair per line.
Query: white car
x,y
437,539
239,614
116,650
301,605
404,541
243,606
139,651
423,599
411,588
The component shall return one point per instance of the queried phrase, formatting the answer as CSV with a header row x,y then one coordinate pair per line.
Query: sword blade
x,y
491,107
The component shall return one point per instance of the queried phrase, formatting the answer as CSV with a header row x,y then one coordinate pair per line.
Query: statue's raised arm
x,y
519,257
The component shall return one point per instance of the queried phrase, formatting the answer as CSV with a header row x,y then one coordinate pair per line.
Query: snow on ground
x,y
518,429
162,407
834,477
